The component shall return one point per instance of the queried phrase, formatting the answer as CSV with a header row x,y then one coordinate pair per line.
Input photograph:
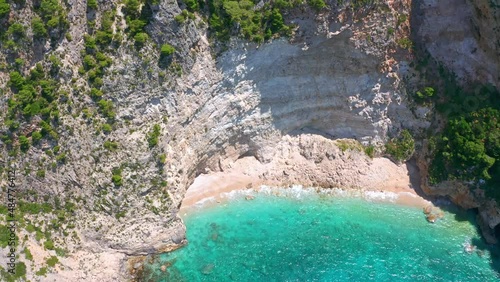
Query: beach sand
x,y
387,182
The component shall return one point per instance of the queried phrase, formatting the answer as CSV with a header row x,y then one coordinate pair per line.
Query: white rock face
x,y
330,89
461,34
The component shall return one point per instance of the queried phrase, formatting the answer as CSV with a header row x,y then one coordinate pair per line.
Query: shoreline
x,y
221,187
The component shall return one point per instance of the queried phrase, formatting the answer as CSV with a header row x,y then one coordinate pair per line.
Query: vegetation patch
x,y
153,135
469,149
348,144
254,24
402,147
117,177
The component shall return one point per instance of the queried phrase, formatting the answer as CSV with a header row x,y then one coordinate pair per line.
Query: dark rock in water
x,y
213,225
164,267
207,269
215,236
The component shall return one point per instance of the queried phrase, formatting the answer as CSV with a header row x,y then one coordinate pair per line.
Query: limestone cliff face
x,y
462,35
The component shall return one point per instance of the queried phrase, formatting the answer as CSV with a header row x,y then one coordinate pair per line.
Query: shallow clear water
x,y
321,239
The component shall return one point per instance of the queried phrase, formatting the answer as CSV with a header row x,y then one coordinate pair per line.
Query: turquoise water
x,y
321,239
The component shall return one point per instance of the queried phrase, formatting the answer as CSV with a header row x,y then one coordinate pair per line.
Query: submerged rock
x,y
207,269
215,236
432,214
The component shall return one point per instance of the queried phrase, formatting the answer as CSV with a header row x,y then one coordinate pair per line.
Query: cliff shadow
x,y
322,89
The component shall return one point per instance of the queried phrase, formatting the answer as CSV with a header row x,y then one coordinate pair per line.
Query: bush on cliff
x,y
167,50
4,8
402,147
469,148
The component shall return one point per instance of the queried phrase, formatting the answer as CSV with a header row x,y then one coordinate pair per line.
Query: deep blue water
x,y
322,239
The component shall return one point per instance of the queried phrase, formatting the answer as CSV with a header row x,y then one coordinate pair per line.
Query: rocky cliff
x,y
343,73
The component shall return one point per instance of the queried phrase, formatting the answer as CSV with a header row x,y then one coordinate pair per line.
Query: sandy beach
x,y
387,182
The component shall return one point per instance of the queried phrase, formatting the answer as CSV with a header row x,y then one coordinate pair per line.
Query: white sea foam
x,y
299,192
205,201
380,195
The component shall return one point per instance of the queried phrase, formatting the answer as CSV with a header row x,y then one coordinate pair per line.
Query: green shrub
x,y
106,128
317,4
370,151
132,7
180,18
16,29
40,173
141,38
4,8
390,31
135,26
54,60
92,4
38,27
401,148
405,43
104,61
61,158
163,159
110,145
153,135
192,5
468,148
42,271
95,93
97,82
11,45
104,38
48,244
117,179
20,271
89,62
52,261
428,92
402,18
24,143
16,80
28,254
37,72
36,137
90,43
167,50
19,63
107,22
4,236
106,107
49,8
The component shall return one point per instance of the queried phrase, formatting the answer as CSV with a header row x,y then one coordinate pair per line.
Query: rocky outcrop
x,y
462,195
462,35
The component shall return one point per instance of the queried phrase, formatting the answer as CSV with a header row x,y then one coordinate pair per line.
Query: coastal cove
x,y
306,234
